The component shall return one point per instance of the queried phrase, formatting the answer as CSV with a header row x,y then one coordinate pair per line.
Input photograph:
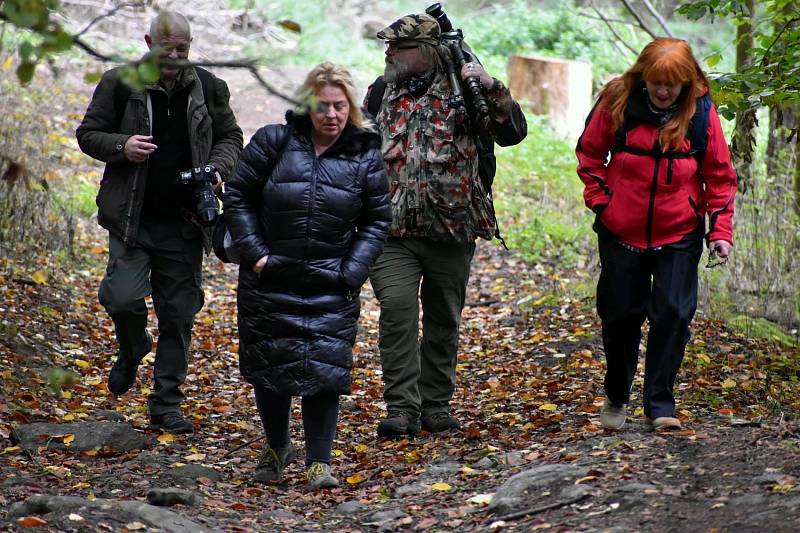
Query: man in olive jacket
x,y
146,138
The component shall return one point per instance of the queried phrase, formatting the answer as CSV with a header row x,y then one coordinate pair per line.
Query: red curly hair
x,y
665,60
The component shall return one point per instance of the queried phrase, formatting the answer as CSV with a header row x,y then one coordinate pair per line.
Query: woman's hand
x,y
259,266
721,248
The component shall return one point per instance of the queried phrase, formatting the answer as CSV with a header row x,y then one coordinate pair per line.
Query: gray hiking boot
x,y
319,477
272,463
612,416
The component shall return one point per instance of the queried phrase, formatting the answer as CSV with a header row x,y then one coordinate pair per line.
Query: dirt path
x,y
529,391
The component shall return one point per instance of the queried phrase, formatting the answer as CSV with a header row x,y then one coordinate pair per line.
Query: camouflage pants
x,y
420,375
166,264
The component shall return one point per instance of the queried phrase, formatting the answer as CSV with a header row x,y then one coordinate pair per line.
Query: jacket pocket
x,y
439,133
394,141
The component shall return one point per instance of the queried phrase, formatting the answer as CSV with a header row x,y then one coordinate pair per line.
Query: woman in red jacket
x,y
654,162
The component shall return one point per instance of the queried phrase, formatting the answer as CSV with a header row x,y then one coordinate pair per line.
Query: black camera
x,y
436,11
202,179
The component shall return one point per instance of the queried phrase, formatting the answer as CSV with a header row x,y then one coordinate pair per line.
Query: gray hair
x,y
170,23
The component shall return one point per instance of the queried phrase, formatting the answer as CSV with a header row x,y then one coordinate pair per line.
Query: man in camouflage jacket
x,y
439,208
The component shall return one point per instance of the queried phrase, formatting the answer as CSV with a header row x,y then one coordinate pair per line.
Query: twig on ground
x,y
245,445
541,509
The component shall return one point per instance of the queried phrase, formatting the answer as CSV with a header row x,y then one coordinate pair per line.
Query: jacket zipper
x,y
140,169
652,206
669,171
311,199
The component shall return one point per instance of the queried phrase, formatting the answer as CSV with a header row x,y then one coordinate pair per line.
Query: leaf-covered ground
x,y
530,388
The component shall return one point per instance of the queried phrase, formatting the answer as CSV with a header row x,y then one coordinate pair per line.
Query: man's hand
x,y
138,147
721,248
259,266
472,70
219,187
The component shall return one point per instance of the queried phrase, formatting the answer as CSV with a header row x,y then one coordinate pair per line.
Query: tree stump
x,y
558,88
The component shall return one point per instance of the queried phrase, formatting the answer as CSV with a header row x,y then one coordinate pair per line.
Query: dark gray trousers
x,y
420,375
166,261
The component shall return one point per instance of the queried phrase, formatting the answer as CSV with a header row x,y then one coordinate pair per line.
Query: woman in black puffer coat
x,y
307,206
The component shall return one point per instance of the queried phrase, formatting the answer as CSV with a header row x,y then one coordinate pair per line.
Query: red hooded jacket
x,y
648,201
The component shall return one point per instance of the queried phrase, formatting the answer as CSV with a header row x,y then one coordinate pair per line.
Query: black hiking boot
x,y
398,424
439,421
123,373
172,423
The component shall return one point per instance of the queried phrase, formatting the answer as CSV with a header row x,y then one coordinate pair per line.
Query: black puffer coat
x,y
322,221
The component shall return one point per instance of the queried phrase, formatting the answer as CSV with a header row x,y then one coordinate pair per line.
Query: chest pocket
x,y
438,142
395,138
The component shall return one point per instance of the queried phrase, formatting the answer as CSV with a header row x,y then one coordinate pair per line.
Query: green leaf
x,y
713,59
148,71
92,77
25,51
25,72
130,77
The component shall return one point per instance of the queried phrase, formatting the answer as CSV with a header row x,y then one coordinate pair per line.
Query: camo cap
x,y
418,27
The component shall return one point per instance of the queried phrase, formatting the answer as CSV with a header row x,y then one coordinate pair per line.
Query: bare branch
x,y
658,17
609,19
610,27
641,22
98,18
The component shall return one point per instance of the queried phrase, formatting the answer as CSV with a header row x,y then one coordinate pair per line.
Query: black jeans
x,y
165,261
660,285
320,415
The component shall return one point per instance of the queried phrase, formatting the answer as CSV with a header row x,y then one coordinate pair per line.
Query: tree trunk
x,y
743,141
782,145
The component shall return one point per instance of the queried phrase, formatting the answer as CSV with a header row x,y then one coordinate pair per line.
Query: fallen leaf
x,y
442,486
75,517
68,439
481,499
31,521
166,438
195,457
355,479
548,407
585,479
133,526
728,384
39,277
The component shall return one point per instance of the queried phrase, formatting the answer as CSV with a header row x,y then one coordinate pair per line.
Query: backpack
x,y
487,162
697,135
221,240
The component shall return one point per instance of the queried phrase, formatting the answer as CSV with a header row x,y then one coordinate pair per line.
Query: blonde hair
x,y
328,73
663,60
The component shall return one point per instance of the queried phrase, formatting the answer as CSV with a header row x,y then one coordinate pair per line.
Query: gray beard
x,y
394,73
